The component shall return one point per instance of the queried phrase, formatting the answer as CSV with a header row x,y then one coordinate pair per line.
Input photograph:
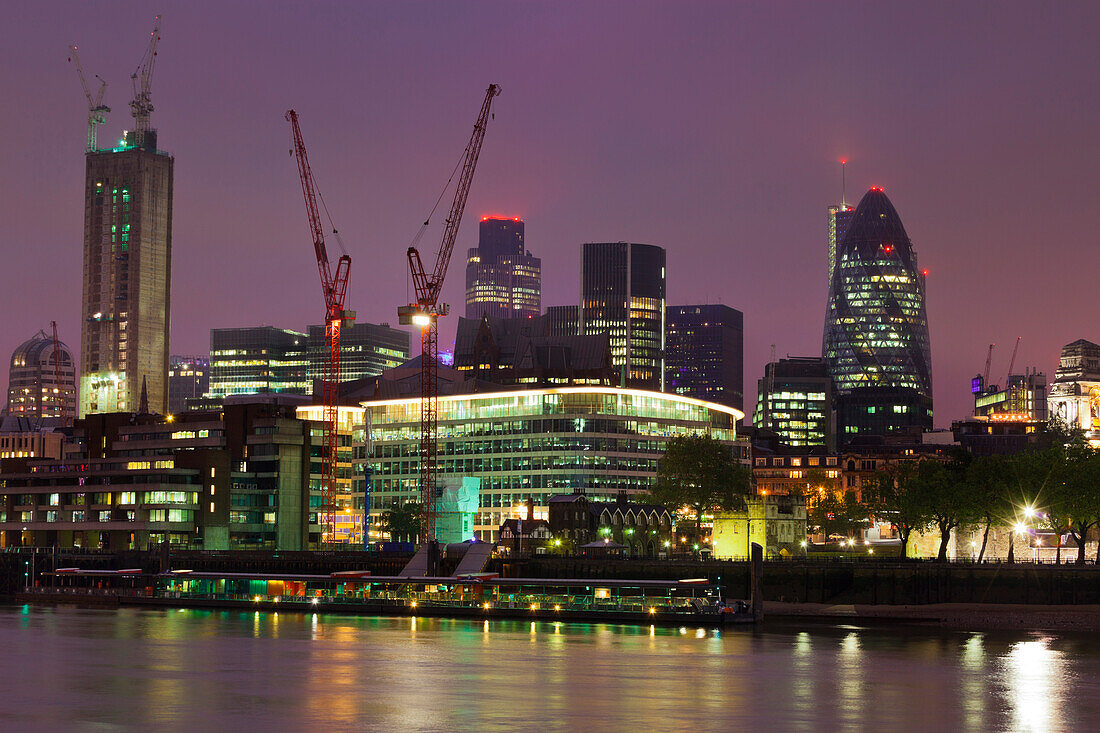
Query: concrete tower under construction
x,y
126,299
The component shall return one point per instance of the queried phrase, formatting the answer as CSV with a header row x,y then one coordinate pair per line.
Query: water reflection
x,y
290,671
1035,684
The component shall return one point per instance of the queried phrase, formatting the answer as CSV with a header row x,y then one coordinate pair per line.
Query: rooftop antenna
x,y
843,184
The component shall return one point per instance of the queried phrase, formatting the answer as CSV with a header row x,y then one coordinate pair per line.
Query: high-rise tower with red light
x,y
876,329
502,278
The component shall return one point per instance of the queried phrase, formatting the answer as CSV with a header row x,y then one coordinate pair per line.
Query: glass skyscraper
x,y
503,280
876,330
704,347
623,295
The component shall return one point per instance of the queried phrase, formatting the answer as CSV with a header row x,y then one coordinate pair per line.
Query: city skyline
x,y
732,184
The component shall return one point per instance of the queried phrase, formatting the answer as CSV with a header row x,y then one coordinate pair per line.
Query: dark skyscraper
x,y
876,330
623,295
503,280
188,379
126,301
704,353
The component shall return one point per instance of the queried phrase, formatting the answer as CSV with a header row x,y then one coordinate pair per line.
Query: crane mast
x,y
425,313
334,288
97,111
142,81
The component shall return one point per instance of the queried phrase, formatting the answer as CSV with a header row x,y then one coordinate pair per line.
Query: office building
x,y
531,444
188,379
882,411
503,280
562,320
876,330
623,295
126,298
34,391
1075,393
258,359
838,216
795,401
514,351
366,350
1024,395
704,347
233,479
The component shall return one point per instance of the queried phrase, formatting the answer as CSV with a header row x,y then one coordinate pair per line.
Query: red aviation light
x,y
924,272
888,248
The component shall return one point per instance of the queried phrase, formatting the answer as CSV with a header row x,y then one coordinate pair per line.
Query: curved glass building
x,y
876,330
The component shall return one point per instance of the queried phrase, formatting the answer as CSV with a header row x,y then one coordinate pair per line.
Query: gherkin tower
x,y
876,330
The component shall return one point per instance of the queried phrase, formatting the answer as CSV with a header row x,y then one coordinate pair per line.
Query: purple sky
x,y
712,129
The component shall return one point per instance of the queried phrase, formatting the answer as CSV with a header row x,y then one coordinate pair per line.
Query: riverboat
x,y
480,595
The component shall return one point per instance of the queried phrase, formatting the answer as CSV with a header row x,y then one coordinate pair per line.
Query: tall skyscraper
x,y
876,330
562,320
33,388
704,347
623,295
503,280
839,215
126,300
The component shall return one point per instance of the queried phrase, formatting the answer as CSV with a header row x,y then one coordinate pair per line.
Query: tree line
x,y
1054,486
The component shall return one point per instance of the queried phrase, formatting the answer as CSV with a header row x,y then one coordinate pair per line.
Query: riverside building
x,y
126,299
531,444
238,478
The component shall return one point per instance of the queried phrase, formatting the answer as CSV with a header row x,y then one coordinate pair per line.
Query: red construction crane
x,y
334,286
59,401
425,312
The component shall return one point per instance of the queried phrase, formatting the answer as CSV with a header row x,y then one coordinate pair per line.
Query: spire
x,y
843,184
143,405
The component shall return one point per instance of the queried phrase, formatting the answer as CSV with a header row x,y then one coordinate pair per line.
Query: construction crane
x,y
334,287
988,364
97,111
142,81
1012,361
59,387
425,313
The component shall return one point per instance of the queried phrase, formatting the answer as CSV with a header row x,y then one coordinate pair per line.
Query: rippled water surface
x,y
77,669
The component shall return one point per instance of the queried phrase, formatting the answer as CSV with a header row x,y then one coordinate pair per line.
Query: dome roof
x,y
39,350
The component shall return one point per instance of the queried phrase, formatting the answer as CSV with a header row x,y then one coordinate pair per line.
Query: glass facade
x,y
503,280
623,295
33,389
366,350
794,400
260,359
704,353
876,330
532,444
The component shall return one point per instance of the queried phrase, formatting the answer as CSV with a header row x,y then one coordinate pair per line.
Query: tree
x,y
898,496
402,523
988,480
699,472
838,515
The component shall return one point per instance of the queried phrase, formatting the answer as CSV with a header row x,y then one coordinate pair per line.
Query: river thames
x,y
78,669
